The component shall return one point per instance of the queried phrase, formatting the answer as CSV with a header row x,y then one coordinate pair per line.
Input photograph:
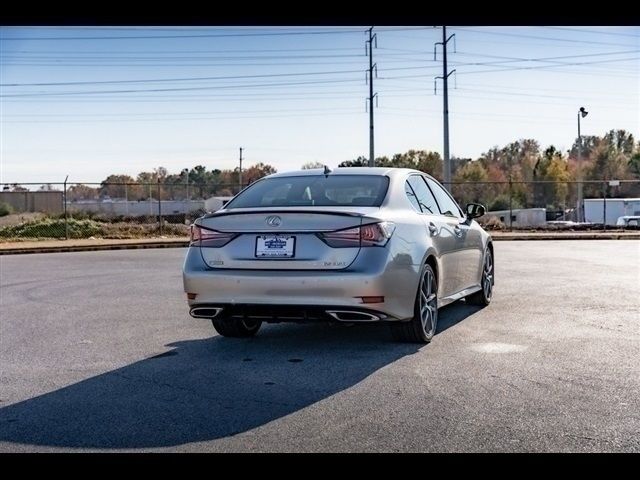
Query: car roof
x,y
382,171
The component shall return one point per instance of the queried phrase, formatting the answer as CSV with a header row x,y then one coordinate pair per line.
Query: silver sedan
x,y
348,245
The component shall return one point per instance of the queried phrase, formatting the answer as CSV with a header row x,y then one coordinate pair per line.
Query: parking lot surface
x,y
98,353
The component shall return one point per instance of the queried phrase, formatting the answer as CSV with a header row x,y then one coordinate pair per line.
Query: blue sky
x,y
107,101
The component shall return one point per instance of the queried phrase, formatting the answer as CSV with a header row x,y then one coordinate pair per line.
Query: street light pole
x,y
580,217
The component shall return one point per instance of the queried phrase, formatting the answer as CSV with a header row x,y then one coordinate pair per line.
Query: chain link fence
x,y
125,210
111,210
591,204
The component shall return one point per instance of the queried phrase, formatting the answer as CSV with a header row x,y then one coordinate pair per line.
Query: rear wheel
x,y
483,296
239,328
422,327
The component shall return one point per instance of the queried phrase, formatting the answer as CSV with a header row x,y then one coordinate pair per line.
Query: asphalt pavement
x,y
98,353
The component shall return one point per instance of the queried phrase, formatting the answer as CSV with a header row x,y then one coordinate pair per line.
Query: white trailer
x,y
595,208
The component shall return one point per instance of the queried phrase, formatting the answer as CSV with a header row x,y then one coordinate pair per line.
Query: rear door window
x,y
447,205
422,195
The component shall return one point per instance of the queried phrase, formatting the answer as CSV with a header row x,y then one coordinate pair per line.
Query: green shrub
x,y
5,209
53,228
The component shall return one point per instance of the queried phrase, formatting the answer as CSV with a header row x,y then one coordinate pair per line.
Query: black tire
x,y
417,330
482,297
238,328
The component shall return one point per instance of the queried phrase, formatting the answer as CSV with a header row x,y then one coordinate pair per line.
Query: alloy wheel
x,y
428,303
487,275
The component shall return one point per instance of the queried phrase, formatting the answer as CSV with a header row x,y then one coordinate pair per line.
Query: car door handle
x,y
433,229
457,230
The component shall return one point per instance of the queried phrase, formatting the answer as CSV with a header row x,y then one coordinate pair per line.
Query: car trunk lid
x,y
283,238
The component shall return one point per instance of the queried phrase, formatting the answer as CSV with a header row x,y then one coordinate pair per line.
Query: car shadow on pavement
x,y
453,314
206,389
203,389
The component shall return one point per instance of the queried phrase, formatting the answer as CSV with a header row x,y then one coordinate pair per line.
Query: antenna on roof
x,y
327,170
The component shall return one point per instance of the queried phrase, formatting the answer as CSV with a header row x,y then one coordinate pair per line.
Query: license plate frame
x,y
264,251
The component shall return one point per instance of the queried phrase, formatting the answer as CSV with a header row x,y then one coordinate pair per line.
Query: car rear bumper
x,y
370,275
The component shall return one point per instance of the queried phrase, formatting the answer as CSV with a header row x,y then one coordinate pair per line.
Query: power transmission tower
x,y
445,105
372,66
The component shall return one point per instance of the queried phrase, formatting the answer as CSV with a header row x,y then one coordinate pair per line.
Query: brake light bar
x,y
205,237
371,235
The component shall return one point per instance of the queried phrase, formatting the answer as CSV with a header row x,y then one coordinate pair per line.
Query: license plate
x,y
275,246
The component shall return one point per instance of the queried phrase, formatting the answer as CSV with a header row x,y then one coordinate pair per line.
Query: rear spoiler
x,y
288,210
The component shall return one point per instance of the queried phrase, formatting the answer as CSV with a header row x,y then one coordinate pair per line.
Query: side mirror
x,y
475,210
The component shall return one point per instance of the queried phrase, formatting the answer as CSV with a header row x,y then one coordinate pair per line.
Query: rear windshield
x,y
314,190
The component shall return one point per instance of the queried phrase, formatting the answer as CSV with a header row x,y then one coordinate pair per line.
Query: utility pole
x,y
445,104
372,66
66,218
159,207
240,173
186,186
580,216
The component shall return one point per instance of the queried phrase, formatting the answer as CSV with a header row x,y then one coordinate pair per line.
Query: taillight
x,y
342,238
204,237
372,235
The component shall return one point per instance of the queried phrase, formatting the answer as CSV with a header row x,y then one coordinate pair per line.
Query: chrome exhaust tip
x,y
205,312
352,316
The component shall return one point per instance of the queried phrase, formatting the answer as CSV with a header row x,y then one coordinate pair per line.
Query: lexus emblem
x,y
274,221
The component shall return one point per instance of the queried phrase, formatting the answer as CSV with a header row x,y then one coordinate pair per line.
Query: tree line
x,y
195,183
613,156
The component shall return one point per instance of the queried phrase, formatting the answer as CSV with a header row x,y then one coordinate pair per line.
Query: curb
x,y
589,236
93,248
185,243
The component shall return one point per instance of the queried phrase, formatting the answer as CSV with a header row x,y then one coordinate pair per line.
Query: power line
x,y
530,89
230,77
8,59
183,79
126,114
498,98
566,29
488,116
601,73
517,94
225,64
104,60
552,62
556,39
205,52
216,35
124,57
226,117
230,97
620,52
252,85
537,67
541,67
